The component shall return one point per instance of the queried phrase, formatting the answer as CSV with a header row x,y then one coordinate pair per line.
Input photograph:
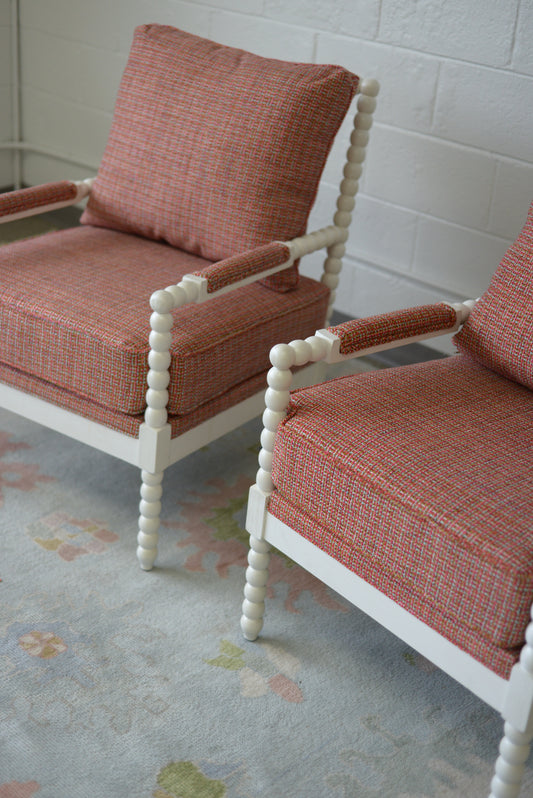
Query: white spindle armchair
x,y
206,214
410,490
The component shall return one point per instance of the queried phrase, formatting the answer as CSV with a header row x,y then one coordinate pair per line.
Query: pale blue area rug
x,y
116,683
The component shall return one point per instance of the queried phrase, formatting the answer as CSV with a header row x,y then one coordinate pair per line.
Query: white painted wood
x,y
366,105
149,515
256,511
253,606
518,707
510,765
154,447
124,447
465,669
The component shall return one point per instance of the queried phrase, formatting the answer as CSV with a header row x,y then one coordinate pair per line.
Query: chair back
x,y
499,331
215,150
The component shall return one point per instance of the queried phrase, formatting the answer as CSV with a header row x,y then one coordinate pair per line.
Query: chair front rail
x,y
481,681
122,446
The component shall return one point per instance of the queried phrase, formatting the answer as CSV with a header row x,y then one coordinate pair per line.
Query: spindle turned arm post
x,y
353,168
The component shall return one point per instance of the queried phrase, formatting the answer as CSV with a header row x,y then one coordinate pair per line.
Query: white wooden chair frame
x,y
513,698
154,449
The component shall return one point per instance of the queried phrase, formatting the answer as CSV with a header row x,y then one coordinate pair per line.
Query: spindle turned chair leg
x,y
510,765
150,512
253,607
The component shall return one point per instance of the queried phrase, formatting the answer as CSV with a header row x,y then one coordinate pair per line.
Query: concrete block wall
x,y
449,173
6,121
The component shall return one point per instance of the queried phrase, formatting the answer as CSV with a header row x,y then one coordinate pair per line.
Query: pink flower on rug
x,y
286,688
71,537
21,476
17,789
214,526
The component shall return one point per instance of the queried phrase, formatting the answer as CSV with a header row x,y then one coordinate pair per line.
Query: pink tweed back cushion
x,y
213,149
499,331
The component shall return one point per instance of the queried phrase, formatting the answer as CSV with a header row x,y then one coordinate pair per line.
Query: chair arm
x,y
256,264
39,199
243,268
360,337
351,339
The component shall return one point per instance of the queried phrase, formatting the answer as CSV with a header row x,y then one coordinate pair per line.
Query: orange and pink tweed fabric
x,y
434,466
26,199
359,334
74,311
128,423
216,150
499,331
231,270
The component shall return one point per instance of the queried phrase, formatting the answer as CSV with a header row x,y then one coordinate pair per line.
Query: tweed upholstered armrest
x,y
247,266
39,199
360,336
261,262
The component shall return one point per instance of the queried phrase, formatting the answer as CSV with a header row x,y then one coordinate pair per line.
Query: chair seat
x,y
74,310
441,522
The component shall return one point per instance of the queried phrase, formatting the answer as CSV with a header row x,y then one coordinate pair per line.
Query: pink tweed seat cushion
x,y
74,312
420,480
499,331
216,150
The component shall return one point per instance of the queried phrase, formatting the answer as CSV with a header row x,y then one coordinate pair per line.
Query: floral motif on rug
x,y
17,789
15,474
81,659
71,537
267,669
214,522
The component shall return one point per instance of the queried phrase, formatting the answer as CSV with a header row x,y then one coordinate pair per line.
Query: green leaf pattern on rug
x,y
223,520
230,657
185,780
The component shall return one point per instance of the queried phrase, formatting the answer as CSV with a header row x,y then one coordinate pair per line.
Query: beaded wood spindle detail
x,y
149,513
155,416
366,105
283,358
515,745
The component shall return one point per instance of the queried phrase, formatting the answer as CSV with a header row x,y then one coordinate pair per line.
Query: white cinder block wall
x,y
449,174
6,120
